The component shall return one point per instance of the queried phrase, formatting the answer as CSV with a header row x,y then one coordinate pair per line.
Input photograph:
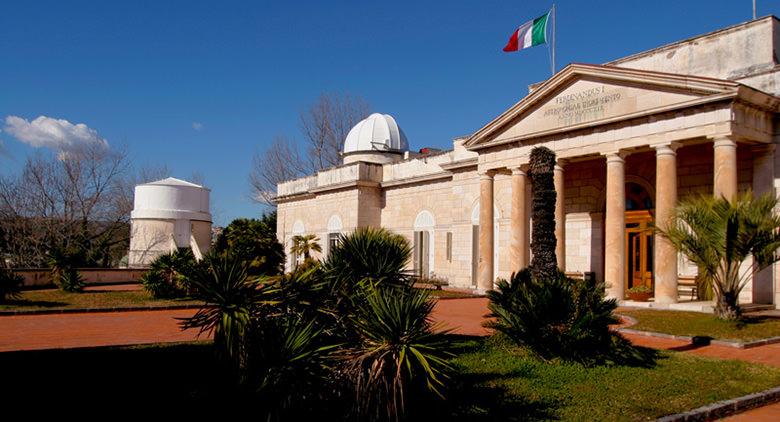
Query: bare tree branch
x,y
324,125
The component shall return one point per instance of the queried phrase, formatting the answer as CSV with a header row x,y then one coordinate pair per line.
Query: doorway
x,y
639,249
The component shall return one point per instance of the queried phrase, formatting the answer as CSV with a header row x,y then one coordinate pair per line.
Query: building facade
x,y
632,137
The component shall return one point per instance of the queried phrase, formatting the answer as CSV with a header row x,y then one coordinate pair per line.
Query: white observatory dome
x,y
377,132
171,198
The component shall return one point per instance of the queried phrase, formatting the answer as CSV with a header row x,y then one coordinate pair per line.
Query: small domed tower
x,y
168,214
375,139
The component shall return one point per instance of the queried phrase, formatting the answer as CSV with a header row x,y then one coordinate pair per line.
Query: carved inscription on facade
x,y
581,106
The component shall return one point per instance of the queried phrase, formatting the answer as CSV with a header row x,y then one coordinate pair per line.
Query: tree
x,y
324,125
304,245
69,201
544,264
720,235
255,241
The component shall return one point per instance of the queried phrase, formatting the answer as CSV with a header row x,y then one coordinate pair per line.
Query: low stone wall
x,y
41,277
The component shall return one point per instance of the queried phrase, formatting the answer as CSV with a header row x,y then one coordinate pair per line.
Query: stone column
x,y
560,215
615,227
485,279
665,262
725,168
763,182
518,245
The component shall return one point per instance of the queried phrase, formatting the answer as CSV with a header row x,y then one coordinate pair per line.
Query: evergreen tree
x,y
544,265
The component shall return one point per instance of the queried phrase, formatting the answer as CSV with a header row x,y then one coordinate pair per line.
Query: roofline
x,y
692,83
690,39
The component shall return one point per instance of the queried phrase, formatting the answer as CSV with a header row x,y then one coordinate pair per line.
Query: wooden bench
x,y
686,284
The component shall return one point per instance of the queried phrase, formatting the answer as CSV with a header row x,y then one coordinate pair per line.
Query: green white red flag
x,y
529,34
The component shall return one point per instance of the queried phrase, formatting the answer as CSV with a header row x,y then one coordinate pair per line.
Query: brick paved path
x,y
125,328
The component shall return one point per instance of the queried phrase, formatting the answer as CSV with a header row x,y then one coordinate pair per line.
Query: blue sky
x,y
142,73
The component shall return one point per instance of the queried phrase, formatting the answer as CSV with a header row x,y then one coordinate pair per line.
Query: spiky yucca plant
x,y
369,254
288,365
398,351
232,299
554,318
720,235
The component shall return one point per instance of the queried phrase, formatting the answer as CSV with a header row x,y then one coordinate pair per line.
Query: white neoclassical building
x,y
632,137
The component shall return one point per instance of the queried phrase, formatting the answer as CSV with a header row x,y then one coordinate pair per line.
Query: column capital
x,y
724,141
669,148
618,156
521,169
487,174
560,163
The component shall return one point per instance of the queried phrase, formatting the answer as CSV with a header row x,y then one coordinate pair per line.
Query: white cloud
x,y
57,134
197,126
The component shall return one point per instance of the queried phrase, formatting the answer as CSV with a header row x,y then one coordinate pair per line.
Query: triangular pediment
x,y
588,95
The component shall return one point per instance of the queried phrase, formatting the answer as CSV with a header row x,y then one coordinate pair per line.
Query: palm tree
x,y
303,245
719,235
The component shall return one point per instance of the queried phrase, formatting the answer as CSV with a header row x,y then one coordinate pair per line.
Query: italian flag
x,y
529,34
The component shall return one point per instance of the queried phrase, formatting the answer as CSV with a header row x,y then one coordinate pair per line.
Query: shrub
x,y
288,366
10,285
255,241
232,299
398,351
168,274
557,318
70,280
63,264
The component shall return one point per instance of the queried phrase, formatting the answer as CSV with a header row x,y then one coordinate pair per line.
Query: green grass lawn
x,y
502,382
494,381
450,294
706,325
52,299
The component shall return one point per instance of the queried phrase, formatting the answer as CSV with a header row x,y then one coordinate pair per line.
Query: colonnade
x,y
665,262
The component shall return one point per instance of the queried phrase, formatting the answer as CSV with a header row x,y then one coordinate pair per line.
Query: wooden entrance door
x,y
639,249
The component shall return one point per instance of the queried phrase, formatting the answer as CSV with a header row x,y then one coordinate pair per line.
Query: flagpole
x,y
553,39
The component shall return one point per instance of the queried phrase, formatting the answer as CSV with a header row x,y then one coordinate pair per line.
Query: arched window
x,y
637,197
423,243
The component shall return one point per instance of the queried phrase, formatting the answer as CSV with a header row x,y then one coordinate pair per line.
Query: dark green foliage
x,y
544,264
397,351
720,235
168,274
280,334
288,366
369,255
63,263
232,299
555,318
255,241
10,285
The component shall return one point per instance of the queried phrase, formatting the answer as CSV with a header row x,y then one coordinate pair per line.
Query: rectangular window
x,y
449,246
333,240
421,253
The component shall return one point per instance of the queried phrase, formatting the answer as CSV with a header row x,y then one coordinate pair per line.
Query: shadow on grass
x,y
623,353
24,303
